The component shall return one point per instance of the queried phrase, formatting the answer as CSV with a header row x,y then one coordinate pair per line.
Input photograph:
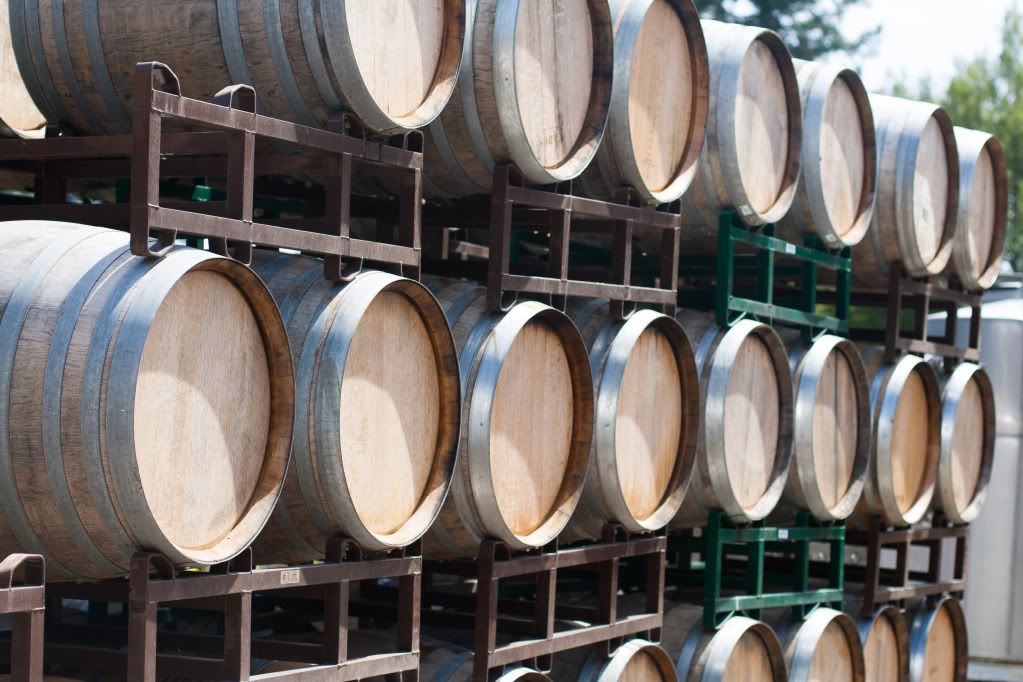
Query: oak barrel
x,y
646,420
979,241
659,95
824,646
744,449
938,642
917,192
885,638
636,660
526,428
378,406
838,183
967,443
741,650
831,438
751,156
906,412
534,90
454,664
146,403
19,116
393,63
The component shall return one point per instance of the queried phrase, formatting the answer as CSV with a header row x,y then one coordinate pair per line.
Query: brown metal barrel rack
x,y
22,598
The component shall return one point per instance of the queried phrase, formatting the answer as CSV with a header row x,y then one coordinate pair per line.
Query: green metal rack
x,y
794,308
750,576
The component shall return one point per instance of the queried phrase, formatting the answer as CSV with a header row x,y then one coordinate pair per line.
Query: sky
x,y
923,38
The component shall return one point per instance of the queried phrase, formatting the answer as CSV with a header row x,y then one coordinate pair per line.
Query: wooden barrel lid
x,y
398,47
835,429
931,190
17,110
983,221
833,658
750,660
752,417
882,652
642,668
553,75
202,410
911,442
661,102
390,417
531,427
649,423
762,132
968,445
940,652
843,157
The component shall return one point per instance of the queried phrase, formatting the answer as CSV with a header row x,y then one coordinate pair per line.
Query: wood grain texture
x,y
204,375
930,190
833,658
968,446
884,658
982,225
911,441
940,652
642,668
749,661
835,429
843,159
979,242
18,112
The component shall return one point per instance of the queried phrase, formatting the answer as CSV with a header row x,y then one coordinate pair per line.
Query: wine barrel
x,y
636,660
656,123
751,157
393,63
906,412
885,639
19,116
742,459
534,90
146,403
967,443
741,650
824,646
527,424
979,241
917,192
836,193
646,421
378,404
938,644
454,664
831,442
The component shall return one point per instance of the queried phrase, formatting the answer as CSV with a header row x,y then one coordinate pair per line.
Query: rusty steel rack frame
x,y
533,621
513,206
882,586
153,581
226,146
24,601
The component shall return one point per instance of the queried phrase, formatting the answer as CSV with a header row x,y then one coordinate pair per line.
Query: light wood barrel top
x,y
752,421
390,421
553,75
531,428
17,110
642,668
660,100
202,410
911,440
761,126
842,157
930,190
940,653
649,423
968,445
397,46
835,428
833,658
750,660
881,652
983,216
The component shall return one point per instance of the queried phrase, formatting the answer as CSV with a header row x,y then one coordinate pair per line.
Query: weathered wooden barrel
x,y
885,639
306,60
967,443
979,241
824,646
526,429
906,412
742,458
534,90
741,650
656,124
636,660
917,192
646,421
19,116
751,156
378,406
454,664
938,644
838,183
831,437
146,403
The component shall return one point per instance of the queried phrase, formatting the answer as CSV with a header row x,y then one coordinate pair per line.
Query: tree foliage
x,y
810,27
